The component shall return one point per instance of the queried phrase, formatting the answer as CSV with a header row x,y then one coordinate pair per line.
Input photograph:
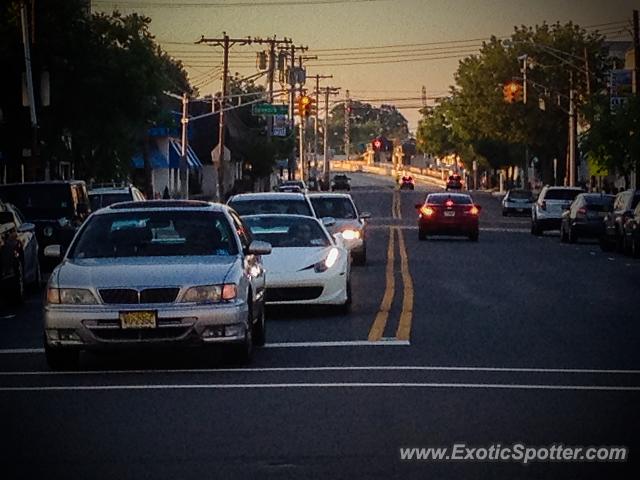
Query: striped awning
x,y
175,152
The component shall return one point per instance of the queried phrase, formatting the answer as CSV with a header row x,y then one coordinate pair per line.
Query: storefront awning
x,y
175,152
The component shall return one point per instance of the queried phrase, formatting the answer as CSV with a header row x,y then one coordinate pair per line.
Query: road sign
x,y
269,109
279,126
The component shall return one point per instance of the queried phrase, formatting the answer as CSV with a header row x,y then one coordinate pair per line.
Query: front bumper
x,y
98,326
307,288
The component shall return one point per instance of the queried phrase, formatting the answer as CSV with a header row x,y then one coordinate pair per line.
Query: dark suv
x,y
615,223
56,208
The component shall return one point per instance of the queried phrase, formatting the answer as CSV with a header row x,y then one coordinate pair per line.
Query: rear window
x,y
258,207
520,194
441,199
599,203
40,201
561,194
100,200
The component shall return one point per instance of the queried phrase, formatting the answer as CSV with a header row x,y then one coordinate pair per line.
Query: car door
x,y
29,244
253,269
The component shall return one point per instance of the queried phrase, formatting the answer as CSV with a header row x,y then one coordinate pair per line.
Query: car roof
x,y
280,215
243,197
329,195
101,190
162,205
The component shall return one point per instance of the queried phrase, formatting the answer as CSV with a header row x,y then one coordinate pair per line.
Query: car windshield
x,y
100,200
561,194
599,203
338,207
156,234
40,202
287,232
456,199
263,206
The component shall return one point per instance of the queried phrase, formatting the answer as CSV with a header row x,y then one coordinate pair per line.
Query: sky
x,y
380,50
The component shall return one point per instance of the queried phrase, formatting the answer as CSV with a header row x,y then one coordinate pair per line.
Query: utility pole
x,y
327,170
304,170
184,168
347,124
272,42
572,134
226,43
316,116
636,58
587,77
31,97
292,104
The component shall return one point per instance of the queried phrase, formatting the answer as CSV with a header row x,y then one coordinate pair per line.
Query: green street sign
x,y
269,109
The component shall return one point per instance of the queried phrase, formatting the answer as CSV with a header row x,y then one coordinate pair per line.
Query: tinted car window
x,y
599,203
40,201
100,200
165,233
561,194
334,207
441,199
520,194
256,207
288,232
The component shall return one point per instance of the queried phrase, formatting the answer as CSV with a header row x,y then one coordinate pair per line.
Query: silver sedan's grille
x,y
129,296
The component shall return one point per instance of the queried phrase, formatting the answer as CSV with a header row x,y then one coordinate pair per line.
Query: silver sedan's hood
x,y
143,271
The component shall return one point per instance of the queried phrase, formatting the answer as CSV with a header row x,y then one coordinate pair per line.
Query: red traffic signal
x,y
305,106
512,92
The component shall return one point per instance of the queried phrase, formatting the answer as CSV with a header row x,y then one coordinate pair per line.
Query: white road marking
x,y
7,317
241,386
342,343
482,229
18,351
425,368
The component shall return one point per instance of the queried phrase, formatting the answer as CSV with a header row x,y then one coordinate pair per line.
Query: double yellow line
x,y
403,331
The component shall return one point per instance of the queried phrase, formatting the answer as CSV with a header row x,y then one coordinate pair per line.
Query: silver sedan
x,y
156,273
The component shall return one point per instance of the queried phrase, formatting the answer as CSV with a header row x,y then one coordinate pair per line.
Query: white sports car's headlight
x,y
71,296
328,262
351,234
210,293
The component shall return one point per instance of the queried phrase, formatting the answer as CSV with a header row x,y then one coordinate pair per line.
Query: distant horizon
x,y
415,42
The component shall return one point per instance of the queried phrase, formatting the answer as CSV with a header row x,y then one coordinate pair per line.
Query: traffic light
x,y
512,92
305,106
262,60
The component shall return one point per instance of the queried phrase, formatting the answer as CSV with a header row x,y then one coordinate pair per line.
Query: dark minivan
x,y
57,208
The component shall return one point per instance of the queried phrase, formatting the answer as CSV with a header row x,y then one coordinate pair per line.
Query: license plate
x,y
140,319
450,214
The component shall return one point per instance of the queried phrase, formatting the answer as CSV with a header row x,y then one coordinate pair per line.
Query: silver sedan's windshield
x,y
155,233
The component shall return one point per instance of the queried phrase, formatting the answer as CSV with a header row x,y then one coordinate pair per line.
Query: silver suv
x,y
546,213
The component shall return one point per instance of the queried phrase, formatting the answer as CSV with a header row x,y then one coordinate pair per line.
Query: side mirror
x,y
365,215
53,251
328,221
258,247
27,228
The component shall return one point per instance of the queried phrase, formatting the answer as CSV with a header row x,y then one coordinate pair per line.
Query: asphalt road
x,y
511,339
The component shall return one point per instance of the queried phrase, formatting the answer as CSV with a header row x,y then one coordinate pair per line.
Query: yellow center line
x,y
406,316
380,322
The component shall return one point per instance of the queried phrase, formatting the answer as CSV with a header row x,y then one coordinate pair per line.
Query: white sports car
x,y
307,265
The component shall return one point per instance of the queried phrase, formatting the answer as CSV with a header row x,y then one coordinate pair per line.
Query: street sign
x,y
279,126
269,109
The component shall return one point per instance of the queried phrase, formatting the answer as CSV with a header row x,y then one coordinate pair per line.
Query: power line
x,y
277,3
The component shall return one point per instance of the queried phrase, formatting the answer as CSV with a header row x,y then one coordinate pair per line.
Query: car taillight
x,y
449,203
427,211
474,210
582,211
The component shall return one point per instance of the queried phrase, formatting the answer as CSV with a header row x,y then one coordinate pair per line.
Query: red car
x,y
448,214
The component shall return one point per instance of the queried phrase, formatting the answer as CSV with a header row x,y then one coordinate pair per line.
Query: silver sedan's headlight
x,y
210,293
71,296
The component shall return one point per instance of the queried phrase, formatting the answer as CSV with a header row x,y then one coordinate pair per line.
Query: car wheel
x,y
61,358
244,350
572,236
535,228
474,236
17,288
422,235
260,330
563,234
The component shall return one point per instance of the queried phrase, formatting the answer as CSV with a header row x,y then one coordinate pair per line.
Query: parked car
x,y
307,265
546,213
104,196
340,182
585,217
407,183
632,229
517,202
294,203
156,273
448,214
293,186
348,221
615,222
56,208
